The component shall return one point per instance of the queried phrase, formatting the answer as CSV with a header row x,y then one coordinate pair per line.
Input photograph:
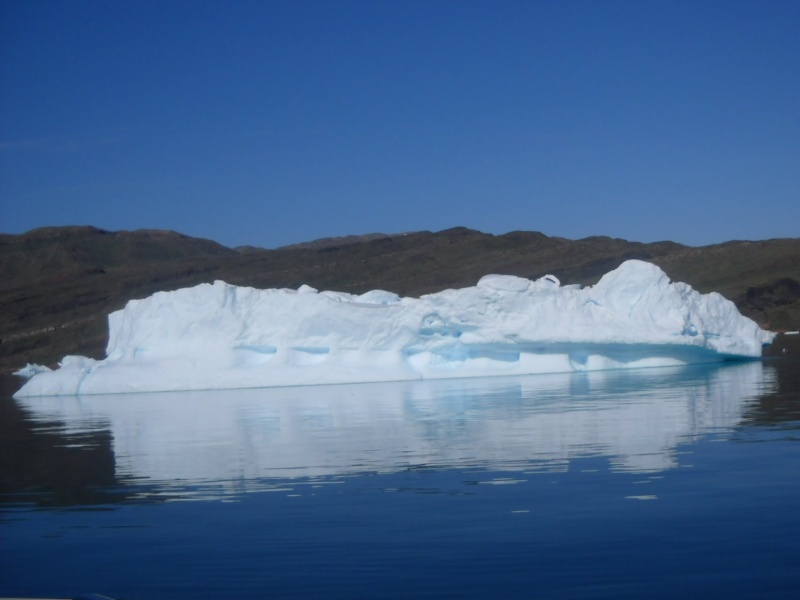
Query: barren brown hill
x,y
57,285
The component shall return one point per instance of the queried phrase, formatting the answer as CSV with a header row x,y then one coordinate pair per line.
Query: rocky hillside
x,y
57,285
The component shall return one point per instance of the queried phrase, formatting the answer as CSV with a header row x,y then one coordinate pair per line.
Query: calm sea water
x,y
657,483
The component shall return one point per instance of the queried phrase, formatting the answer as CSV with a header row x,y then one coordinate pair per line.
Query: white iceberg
x,y
220,336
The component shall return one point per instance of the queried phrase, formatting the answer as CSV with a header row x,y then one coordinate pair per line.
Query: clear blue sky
x,y
270,123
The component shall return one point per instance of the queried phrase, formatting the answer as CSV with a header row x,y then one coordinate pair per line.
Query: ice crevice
x,y
219,336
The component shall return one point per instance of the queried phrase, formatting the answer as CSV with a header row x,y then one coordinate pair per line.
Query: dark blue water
x,y
656,484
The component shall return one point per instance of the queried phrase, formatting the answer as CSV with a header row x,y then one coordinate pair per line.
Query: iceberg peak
x,y
219,336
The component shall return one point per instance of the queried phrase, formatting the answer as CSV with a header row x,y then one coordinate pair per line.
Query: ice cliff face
x,y
221,336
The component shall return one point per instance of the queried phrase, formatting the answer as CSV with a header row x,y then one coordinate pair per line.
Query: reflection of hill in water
x,y
40,464
239,439
781,408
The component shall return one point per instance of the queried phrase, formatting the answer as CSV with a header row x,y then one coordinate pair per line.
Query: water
x,y
655,483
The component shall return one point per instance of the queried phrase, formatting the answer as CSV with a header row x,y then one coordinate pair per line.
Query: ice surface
x,y
222,336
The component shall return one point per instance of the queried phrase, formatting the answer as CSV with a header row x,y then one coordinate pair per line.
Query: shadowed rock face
x,y
57,285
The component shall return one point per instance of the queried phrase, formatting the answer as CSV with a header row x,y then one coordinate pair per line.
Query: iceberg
x,y
221,336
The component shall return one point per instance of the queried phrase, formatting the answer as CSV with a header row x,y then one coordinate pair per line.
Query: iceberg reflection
x,y
239,440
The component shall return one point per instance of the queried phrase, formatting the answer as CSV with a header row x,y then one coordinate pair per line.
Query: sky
x,y
269,123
